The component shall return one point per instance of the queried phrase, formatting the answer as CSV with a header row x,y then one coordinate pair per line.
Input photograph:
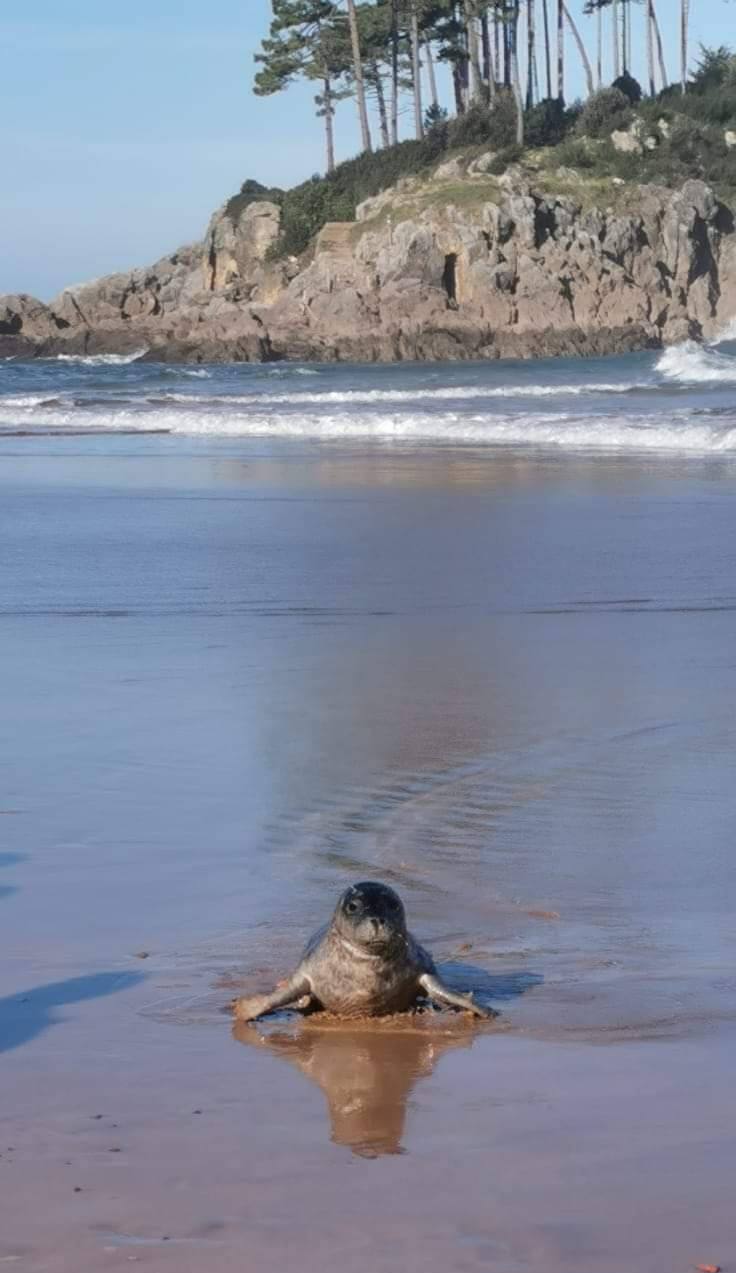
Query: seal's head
x,y
371,915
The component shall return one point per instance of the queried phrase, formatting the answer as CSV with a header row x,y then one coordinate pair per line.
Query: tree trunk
x,y
547,48
630,45
513,40
358,73
394,72
684,23
476,74
506,35
599,42
488,70
581,49
531,52
561,50
416,74
616,45
377,83
464,79
660,51
329,113
496,47
431,75
650,48
457,85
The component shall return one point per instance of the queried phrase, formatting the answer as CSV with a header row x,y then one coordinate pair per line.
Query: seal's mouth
x,y
382,937
379,943
372,935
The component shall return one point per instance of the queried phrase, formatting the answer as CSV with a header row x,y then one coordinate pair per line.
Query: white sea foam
x,y
102,360
365,397
678,434
691,363
26,401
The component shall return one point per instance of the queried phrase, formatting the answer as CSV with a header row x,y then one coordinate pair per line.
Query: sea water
x,y
676,401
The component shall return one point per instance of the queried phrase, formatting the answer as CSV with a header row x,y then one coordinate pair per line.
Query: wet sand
x,y
237,677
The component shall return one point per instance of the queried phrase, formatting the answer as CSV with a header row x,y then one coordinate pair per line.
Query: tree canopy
x,y
389,56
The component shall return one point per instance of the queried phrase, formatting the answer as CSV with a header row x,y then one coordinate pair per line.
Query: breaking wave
x,y
691,363
445,393
679,401
679,433
102,360
26,401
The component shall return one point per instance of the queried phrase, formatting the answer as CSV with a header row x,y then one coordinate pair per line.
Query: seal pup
x,y
364,963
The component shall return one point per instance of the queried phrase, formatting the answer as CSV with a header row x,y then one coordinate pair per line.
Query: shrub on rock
x,y
606,110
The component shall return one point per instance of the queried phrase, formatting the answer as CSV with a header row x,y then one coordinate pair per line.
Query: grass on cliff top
x,y
585,189
437,194
687,139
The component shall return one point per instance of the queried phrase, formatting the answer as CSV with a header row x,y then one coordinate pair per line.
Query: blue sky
x,y
125,126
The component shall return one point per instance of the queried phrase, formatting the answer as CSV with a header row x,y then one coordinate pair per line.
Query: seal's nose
x,y
376,926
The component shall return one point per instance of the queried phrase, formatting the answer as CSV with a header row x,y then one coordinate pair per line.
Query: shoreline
x,y
431,345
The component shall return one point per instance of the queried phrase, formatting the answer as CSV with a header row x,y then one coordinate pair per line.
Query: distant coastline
x,y
455,263
518,226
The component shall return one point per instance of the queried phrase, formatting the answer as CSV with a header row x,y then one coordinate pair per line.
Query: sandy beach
x,y
240,673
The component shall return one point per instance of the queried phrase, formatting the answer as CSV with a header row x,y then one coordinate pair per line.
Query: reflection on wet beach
x,y
367,1071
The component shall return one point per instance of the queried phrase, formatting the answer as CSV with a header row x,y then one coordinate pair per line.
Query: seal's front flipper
x,y
254,1006
437,990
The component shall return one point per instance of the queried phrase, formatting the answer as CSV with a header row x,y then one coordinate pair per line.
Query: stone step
x,y
336,237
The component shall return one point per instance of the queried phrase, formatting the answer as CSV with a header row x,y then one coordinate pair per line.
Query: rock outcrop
x,y
26,325
463,265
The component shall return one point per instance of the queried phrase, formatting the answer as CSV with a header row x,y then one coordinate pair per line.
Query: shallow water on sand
x,y
238,673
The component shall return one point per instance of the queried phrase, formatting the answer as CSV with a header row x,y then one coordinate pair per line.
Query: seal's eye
x,y
352,907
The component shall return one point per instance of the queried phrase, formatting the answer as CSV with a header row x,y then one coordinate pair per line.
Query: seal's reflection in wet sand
x,y
366,1070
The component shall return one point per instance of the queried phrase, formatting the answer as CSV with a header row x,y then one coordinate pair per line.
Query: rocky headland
x,y
457,264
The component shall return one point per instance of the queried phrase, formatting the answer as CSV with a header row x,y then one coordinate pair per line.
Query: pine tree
x,y
512,38
374,33
304,42
580,46
684,23
443,25
547,49
597,7
560,51
470,13
378,50
658,45
531,53
358,75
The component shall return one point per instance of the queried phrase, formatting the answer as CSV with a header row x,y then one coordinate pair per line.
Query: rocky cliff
x,y
456,265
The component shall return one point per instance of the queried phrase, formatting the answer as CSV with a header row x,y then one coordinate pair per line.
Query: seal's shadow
x,y
368,1070
487,988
